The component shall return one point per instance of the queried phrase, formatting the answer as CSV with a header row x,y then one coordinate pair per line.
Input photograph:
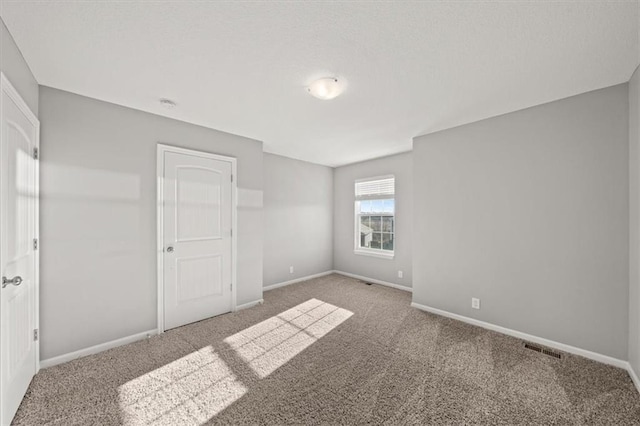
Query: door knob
x,y
170,249
17,280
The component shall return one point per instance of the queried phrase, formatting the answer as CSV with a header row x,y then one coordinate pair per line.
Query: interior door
x,y
18,219
197,217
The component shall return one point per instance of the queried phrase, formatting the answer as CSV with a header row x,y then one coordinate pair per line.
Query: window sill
x,y
371,253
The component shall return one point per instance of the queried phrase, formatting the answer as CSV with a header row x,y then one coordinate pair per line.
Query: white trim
x,y
12,92
234,232
160,237
375,281
162,149
249,305
357,248
374,178
297,280
96,349
37,252
605,359
381,254
634,376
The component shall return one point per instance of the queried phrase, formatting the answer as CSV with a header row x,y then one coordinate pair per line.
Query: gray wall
x,y
529,212
634,221
298,217
14,67
98,217
344,258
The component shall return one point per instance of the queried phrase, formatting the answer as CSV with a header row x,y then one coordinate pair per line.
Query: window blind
x,y
376,188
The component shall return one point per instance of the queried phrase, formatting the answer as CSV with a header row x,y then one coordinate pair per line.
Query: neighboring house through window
x,y
375,216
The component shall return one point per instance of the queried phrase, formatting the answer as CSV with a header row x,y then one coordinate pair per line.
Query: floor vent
x,y
543,350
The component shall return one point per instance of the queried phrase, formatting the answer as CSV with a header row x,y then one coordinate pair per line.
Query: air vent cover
x,y
543,350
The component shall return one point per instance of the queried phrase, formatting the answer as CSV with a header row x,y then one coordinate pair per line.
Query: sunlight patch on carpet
x,y
270,344
189,390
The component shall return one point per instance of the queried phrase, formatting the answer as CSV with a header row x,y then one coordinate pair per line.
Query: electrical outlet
x,y
291,269
400,274
475,303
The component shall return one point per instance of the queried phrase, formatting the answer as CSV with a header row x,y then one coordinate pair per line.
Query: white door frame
x,y
162,149
10,90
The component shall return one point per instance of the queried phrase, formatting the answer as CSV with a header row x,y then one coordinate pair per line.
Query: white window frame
x,y
362,251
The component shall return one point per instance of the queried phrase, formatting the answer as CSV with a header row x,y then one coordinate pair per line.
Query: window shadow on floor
x,y
194,388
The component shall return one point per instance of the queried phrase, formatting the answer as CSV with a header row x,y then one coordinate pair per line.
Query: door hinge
x,y
231,178
35,244
231,232
231,286
35,153
35,335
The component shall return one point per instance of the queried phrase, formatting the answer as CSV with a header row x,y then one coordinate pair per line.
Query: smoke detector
x,y
167,103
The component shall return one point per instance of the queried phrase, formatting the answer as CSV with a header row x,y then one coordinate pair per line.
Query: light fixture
x,y
167,103
325,88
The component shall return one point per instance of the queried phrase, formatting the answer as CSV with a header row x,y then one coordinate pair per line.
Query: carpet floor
x,y
329,351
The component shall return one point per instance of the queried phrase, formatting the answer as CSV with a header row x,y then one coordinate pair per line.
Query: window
x,y
375,216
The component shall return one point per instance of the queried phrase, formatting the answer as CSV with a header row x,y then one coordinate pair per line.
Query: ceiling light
x,y
325,88
167,103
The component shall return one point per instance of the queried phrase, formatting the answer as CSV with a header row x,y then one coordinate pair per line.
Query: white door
x,y
18,260
197,219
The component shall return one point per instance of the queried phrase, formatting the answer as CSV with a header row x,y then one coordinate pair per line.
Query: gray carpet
x,y
329,351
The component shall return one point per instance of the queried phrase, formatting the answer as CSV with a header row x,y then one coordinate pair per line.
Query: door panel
x,y
199,277
18,179
199,203
197,214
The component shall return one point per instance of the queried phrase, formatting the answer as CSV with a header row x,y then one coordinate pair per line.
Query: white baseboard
x,y
46,363
95,349
634,376
375,281
249,305
605,359
297,280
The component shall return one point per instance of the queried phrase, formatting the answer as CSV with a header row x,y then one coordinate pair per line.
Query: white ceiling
x,y
411,68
